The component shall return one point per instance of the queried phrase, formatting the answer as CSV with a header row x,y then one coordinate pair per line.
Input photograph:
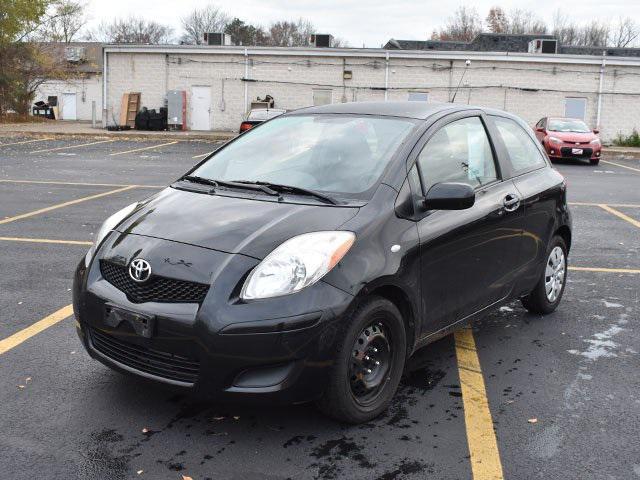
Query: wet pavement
x,y
64,415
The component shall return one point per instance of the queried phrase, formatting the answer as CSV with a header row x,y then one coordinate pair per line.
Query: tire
x,y
539,301
594,161
345,399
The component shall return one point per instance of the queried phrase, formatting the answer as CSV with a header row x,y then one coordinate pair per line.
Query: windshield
x,y
568,125
340,154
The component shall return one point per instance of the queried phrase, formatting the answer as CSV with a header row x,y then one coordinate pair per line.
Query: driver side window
x,y
458,152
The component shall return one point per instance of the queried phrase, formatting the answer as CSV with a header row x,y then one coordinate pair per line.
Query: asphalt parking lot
x,y
519,395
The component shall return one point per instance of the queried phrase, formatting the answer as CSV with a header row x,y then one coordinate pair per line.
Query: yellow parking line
x,y
203,155
144,148
620,215
65,204
71,146
25,334
606,270
83,184
617,205
26,141
483,446
621,165
44,240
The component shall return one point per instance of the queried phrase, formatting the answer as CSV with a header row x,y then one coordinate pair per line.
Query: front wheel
x,y
368,364
546,295
594,161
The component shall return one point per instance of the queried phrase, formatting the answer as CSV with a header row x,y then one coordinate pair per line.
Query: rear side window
x,y
523,151
458,152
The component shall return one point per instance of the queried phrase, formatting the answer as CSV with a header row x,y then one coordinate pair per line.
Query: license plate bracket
x,y
143,325
577,151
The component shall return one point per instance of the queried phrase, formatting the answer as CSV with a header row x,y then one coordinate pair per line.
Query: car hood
x,y
253,227
573,136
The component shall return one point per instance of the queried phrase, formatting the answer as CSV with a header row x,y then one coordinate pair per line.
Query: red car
x,y
569,138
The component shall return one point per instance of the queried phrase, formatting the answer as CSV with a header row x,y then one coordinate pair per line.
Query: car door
x,y
541,188
467,256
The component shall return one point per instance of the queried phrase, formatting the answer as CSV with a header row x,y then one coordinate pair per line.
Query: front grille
x,y
566,152
156,289
147,360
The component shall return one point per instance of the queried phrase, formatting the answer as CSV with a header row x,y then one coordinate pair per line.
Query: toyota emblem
x,y
139,270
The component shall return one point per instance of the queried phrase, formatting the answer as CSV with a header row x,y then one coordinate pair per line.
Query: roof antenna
x,y
466,66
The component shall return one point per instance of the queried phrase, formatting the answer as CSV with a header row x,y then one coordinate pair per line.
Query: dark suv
x,y
311,256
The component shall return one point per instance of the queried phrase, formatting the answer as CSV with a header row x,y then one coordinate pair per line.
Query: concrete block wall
x,y
528,88
87,90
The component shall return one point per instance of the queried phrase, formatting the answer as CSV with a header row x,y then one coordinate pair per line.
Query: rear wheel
x,y
547,294
368,364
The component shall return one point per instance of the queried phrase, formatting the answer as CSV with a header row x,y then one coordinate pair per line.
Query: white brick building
x,y
606,90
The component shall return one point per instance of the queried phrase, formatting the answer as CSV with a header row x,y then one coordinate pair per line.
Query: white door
x,y
69,106
200,111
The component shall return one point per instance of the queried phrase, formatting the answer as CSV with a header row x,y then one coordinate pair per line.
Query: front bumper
x,y
565,150
275,350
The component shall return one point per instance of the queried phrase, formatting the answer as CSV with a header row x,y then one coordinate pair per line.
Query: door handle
x,y
511,202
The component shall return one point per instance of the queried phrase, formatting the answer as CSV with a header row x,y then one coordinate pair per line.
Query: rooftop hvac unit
x,y
541,45
217,39
74,54
321,40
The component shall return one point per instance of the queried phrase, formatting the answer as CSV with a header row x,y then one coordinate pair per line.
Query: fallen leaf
x,y
533,420
145,430
20,386
236,418
218,418
185,477
28,379
139,472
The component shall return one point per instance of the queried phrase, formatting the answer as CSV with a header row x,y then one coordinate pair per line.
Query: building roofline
x,y
375,53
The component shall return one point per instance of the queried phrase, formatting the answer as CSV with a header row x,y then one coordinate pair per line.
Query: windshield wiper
x,y
291,189
223,183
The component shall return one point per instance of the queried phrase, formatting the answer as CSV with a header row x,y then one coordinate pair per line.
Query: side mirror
x,y
596,131
540,129
449,196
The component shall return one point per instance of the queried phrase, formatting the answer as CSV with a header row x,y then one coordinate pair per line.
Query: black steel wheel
x,y
370,358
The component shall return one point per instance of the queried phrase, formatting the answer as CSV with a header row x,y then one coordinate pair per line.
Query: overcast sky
x,y
368,22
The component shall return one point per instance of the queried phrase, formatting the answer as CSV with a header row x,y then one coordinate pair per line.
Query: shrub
x,y
632,140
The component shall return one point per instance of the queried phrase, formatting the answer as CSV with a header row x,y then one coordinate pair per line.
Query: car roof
x,y
566,118
407,109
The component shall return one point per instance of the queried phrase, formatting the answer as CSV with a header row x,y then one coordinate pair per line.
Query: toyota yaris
x,y
309,258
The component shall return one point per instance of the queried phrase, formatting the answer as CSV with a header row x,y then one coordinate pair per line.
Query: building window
x,y
418,96
321,96
575,107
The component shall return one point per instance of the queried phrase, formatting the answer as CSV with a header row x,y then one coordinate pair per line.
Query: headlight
x,y
108,225
555,140
297,263
595,141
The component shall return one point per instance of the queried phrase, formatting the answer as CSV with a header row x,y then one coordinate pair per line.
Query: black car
x,y
310,257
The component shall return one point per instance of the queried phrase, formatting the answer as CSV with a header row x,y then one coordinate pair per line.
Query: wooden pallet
x,y
129,107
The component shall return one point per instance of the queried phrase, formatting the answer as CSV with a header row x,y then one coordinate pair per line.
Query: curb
x,y
102,133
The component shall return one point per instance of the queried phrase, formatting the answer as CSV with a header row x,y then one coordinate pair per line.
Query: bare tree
x,y
245,34
290,34
66,19
131,30
209,19
624,33
594,34
497,20
464,25
564,30
525,22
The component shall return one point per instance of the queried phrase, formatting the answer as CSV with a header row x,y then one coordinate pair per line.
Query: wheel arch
x,y
399,297
565,232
